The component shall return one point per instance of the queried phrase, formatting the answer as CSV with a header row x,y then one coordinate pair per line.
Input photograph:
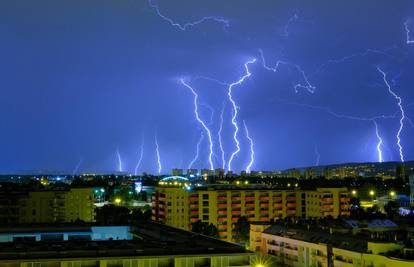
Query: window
x,y
205,217
205,196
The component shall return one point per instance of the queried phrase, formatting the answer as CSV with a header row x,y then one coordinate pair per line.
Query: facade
x,y
222,206
155,246
49,206
292,246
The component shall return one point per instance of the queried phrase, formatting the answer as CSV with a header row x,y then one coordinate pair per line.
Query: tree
x,y
391,208
204,228
241,230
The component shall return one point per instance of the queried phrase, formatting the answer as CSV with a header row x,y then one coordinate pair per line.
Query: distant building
x,y
219,172
224,205
207,172
177,172
192,172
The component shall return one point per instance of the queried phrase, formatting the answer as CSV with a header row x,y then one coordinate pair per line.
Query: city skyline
x,y
147,86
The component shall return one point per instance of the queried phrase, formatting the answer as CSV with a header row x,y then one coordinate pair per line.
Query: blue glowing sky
x,y
81,81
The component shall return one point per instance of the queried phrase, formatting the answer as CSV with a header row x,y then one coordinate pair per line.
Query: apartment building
x,y
48,206
299,246
175,204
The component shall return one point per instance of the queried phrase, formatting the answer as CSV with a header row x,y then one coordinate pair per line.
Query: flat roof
x,y
150,239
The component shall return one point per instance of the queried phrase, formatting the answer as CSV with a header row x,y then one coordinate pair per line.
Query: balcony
x,y
327,207
291,212
193,220
278,206
222,198
194,198
327,199
222,219
344,199
341,263
344,207
235,198
222,227
234,219
222,212
235,205
291,205
250,212
327,213
223,235
194,212
222,206
193,206
249,199
264,219
290,251
291,198
264,198
264,205
236,212
277,199
250,205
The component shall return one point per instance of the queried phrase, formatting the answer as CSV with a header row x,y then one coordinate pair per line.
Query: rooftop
x,y
149,239
347,242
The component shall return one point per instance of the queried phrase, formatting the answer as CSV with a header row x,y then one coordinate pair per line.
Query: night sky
x,y
83,80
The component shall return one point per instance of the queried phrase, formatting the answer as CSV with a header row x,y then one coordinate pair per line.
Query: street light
x,y
371,193
354,192
118,200
392,193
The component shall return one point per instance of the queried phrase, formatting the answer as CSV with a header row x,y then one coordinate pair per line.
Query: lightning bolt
x,y
197,151
157,152
407,32
235,109
202,123
141,155
223,160
184,27
249,165
307,86
118,155
399,103
75,171
349,117
317,154
295,17
379,144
